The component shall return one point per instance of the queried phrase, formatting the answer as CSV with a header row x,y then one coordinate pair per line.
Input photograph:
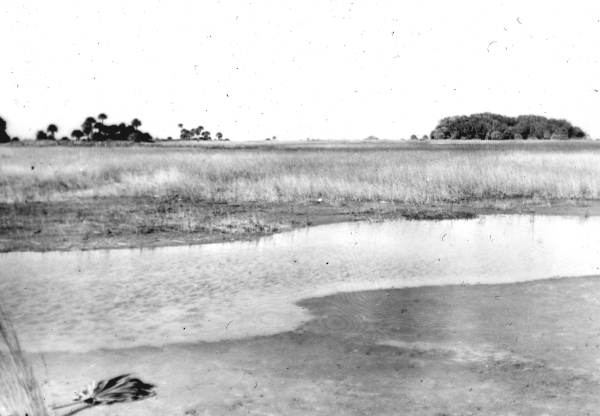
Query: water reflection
x,y
120,298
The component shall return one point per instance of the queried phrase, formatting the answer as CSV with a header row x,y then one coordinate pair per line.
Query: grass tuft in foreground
x,y
20,393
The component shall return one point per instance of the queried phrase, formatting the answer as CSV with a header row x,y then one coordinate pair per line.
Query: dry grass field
x,y
67,192
416,174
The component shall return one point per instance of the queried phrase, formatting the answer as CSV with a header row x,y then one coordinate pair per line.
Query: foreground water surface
x,y
77,301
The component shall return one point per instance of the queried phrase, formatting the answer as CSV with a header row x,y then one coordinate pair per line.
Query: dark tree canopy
x,y
52,129
100,131
90,130
4,137
41,135
197,133
77,134
488,126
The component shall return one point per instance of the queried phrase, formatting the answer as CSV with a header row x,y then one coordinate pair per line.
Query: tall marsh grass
x,y
20,393
280,174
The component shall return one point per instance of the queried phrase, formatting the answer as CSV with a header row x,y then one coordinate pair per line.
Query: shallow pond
x,y
77,301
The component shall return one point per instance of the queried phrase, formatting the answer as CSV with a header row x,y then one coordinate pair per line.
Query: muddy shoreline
x,y
498,349
126,222
525,348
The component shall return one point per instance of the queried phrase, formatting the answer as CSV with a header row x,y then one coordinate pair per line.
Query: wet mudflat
x,y
119,299
524,348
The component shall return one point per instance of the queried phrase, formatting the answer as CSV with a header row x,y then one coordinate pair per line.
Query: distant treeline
x,y
92,129
488,126
97,130
198,133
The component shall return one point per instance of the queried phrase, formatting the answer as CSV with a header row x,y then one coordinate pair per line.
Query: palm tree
x,y
52,129
135,123
206,135
185,134
180,125
198,132
219,136
88,126
77,134
102,117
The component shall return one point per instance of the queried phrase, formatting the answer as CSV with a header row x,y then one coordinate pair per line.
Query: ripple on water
x,y
130,297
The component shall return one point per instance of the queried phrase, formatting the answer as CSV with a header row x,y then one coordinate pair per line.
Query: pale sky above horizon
x,y
296,69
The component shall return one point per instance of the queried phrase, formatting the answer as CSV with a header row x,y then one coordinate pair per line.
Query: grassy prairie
x,y
231,188
300,174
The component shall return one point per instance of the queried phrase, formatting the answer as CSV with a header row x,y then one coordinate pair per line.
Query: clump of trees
x,y
198,133
48,134
489,126
97,130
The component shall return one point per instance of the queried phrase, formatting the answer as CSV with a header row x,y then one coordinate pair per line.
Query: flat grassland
x,y
83,196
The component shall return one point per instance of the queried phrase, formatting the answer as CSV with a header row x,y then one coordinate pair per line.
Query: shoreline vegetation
x,y
146,195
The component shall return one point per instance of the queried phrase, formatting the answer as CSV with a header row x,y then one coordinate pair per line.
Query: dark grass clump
x,y
438,215
120,389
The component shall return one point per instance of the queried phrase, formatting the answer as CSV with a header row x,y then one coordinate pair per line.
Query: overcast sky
x,y
296,69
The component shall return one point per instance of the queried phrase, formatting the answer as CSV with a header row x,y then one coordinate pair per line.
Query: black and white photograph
x,y
289,208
